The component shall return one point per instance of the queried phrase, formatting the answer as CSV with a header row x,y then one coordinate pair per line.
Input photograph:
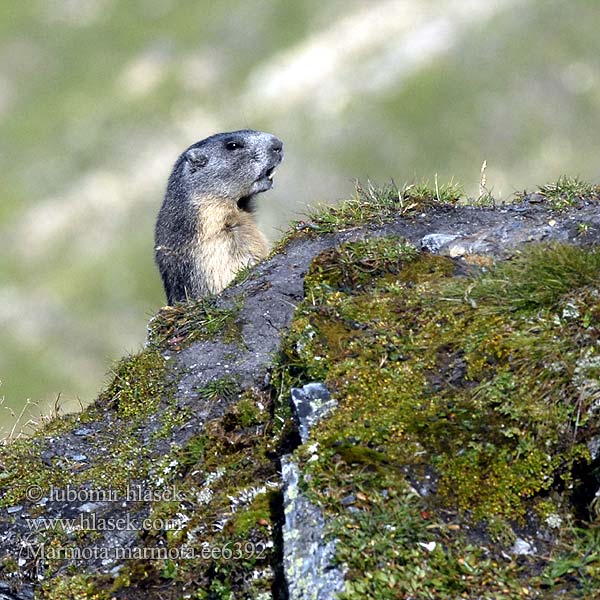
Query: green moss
x,y
258,514
77,587
471,383
23,469
138,385
247,411
361,456
171,418
227,511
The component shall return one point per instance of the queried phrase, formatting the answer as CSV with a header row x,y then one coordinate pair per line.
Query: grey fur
x,y
205,232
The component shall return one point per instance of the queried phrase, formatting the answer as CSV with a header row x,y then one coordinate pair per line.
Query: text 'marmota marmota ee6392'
x,y
205,232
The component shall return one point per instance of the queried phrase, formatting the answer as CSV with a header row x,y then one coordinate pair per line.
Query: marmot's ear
x,y
196,158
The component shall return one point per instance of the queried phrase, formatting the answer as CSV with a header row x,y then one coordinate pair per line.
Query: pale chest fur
x,y
227,241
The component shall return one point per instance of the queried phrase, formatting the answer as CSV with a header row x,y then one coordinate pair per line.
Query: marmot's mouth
x,y
265,180
267,174
262,183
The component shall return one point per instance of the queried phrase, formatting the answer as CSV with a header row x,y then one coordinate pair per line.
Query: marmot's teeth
x,y
270,176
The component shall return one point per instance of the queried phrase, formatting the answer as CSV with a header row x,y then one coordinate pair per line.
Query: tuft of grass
x,y
583,228
380,204
579,560
225,387
538,278
568,191
177,326
419,196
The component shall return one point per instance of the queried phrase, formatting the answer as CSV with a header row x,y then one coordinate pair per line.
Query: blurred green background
x,y
98,97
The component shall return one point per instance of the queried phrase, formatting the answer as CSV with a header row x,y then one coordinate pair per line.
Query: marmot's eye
x,y
233,145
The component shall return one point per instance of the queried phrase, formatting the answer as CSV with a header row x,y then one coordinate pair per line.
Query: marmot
x,y
205,232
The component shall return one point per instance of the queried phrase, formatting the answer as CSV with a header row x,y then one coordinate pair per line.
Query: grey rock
x,y
536,198
522,547
594,447
348,500
434,241
83,431
90,507
307,557
311,403
468,245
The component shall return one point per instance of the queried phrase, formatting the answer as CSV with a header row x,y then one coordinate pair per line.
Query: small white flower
x,y
554,521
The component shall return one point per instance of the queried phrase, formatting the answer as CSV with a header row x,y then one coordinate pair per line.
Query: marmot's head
x,y
235,166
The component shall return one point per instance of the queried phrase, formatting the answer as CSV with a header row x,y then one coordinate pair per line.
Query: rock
x,y
311,403
522,547
594,447
307,558
434,241
83,431
222,384
536,198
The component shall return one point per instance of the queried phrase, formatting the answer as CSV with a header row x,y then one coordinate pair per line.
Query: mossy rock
x,y
467,401
467,405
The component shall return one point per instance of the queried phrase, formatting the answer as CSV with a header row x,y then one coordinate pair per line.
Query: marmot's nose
x,y
276,146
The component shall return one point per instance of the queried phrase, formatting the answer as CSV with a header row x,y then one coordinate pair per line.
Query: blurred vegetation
x,y
97,98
